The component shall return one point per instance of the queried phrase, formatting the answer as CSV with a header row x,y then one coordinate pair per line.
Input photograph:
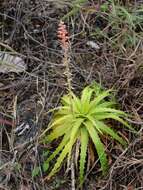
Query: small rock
x,y
93,45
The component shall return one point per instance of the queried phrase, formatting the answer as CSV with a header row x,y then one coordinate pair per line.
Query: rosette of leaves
x,y
84,119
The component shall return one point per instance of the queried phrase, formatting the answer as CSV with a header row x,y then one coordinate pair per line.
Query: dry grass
x,y
29,28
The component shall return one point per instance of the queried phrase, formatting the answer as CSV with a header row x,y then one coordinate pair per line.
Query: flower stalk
x,y
65,45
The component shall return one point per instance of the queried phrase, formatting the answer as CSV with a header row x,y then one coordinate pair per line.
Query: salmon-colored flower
x,y
63,36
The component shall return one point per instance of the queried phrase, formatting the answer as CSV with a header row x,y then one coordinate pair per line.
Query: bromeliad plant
x,y
84,119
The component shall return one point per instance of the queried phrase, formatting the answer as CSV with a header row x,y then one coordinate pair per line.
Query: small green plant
x,y
123,25
84,119
76,6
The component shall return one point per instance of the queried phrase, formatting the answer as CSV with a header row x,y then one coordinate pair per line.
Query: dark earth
x,y
28,29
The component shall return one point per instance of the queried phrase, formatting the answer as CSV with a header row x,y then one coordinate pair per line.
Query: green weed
x,y
76,6
122,25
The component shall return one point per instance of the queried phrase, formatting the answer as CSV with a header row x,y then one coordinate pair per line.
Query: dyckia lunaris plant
x,y
85,122
82,119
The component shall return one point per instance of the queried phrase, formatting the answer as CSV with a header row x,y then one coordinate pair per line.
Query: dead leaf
x,y
11,63
91,153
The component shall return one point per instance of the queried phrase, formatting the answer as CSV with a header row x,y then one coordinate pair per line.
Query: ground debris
x,y
10,63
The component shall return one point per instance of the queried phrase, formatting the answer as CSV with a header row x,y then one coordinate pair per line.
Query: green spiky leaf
x,y
98,145
85,119
84,144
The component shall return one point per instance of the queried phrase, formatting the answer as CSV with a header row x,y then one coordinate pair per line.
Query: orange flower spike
x,y
63,35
